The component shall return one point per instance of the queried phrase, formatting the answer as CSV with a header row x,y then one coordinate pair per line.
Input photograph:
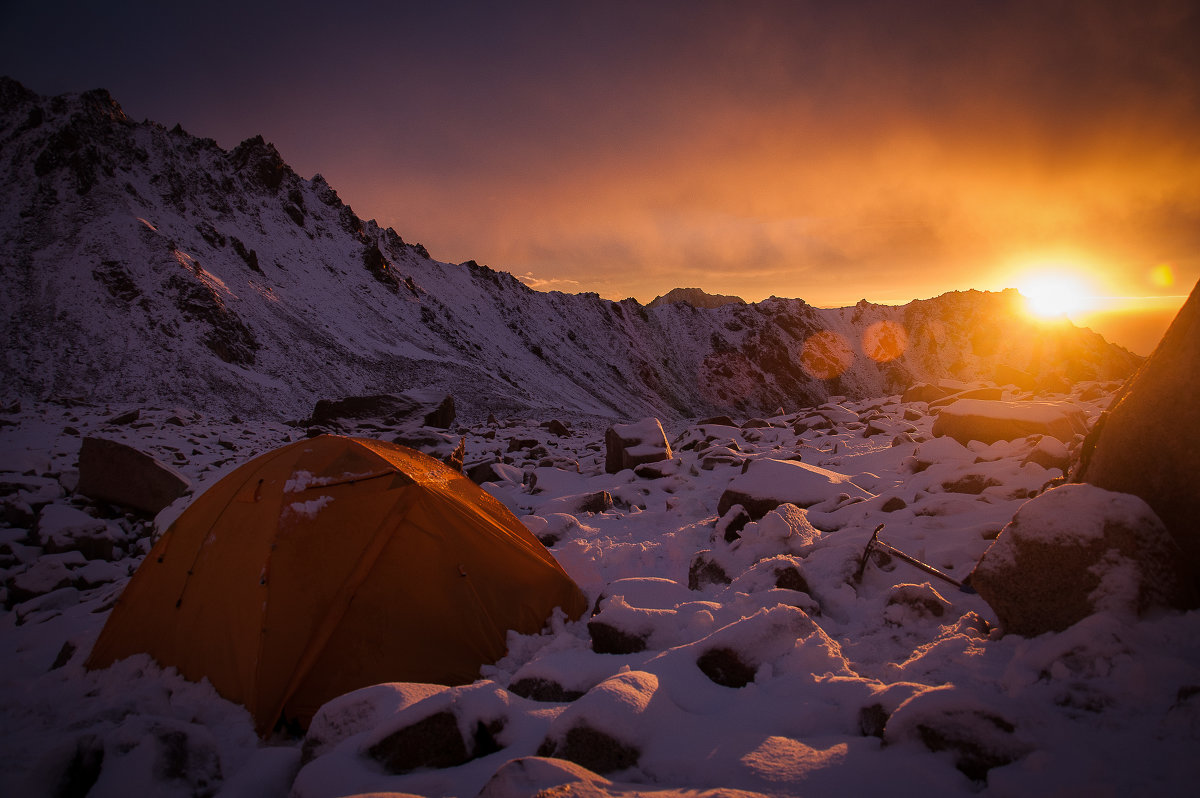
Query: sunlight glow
x,y
1054,294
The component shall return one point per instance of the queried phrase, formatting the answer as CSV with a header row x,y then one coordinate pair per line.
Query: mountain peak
x,y
695,297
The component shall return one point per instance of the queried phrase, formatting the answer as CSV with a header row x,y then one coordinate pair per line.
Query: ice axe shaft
x,y
875,544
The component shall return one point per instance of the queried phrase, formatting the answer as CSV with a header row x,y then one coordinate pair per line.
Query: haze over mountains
x,y
145,264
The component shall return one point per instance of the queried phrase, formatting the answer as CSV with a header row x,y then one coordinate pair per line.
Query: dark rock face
x,y
1148,444
113,472
537,689
227,336
705,571
593,749
1074,550
724,667
434,742
608,639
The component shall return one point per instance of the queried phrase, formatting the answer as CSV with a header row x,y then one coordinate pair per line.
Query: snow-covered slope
x,y
144,264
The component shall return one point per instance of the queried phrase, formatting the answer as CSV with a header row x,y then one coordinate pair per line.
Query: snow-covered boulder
x,y
417,407
64,528
1076,550
766,484
988,421
630,445
976,733
113,472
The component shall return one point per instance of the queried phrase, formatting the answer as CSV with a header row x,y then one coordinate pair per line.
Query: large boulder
x,y
766,484
414,407
988,421
1075,550
630,445
1148,443
112,472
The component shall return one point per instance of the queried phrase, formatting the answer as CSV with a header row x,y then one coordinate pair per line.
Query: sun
x,y
1053,295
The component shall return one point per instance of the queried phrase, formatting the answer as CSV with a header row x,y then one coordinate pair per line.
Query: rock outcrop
x,y
1148,443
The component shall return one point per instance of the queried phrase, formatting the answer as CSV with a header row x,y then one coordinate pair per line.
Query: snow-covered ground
x,y
788,677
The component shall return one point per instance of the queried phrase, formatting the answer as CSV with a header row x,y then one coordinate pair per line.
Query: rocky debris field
x,y
740,637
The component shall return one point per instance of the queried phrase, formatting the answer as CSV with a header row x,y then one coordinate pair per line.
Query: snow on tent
x,y
331,564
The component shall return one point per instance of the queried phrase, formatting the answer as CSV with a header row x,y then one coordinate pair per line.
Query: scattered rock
x,y
970,484
63,528
113,472
630,445
923,392
608,639
790,578
893,504
725,667
1050,453
593,749
705,571
979,737
914,602
1074,550
433,742
597,502
125,419
724,421
442,416
557,428
482,472
988,421
432,409
766,484
983,394
1007,375
539,689
730,525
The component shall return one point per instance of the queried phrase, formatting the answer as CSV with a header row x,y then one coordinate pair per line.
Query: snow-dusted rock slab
x,y
630,445
766,484
113,472
988,421
1076,550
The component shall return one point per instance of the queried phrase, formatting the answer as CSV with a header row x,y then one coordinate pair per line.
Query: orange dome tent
x,y
332,564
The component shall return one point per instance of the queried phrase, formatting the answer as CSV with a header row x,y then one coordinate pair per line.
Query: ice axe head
x,y
866,555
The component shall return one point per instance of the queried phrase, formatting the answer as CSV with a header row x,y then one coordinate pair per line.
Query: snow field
x,y
785,678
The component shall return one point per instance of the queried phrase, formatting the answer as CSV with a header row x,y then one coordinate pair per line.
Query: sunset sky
x,y
832,151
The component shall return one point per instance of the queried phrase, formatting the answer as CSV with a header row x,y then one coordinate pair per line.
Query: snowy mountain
x,y
696,297
144,264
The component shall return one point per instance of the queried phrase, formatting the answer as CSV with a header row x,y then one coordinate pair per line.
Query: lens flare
x,y
884,341
1163,275
826,355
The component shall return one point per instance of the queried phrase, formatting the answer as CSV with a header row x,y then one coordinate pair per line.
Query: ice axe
x,y
875,544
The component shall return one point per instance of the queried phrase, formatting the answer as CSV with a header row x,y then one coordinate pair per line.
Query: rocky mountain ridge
x,y
143,264
696,297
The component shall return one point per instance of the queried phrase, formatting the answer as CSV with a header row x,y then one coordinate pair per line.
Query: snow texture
x,y
790,679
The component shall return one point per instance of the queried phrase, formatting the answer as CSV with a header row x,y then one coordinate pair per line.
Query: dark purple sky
x,y
827,150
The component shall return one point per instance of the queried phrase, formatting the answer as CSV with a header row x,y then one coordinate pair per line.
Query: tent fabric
x,y
330,564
